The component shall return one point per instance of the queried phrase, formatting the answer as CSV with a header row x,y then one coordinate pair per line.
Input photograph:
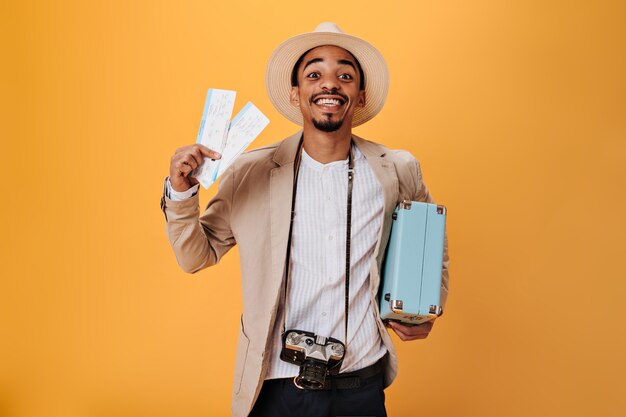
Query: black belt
x,y
355,379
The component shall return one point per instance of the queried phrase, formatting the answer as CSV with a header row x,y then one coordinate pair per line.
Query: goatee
x,y
327,125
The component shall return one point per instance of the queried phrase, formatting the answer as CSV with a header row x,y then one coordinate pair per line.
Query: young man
x,y
319,272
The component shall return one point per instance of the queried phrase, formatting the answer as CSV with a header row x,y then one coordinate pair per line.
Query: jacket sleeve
x,y
200,242
422,194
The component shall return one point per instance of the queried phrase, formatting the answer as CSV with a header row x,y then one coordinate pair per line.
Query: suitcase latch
x,y
406,204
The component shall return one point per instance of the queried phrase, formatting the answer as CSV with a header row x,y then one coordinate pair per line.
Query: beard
x,y
327,125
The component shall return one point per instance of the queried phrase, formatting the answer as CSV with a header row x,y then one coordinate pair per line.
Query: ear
x,y
361,101
294,98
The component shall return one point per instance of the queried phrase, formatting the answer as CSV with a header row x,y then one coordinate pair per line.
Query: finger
x,y
183,168
197,155
415,329
423,328
185,157
190,160
401,335
420,331
209,153
198,149
404,336
181,150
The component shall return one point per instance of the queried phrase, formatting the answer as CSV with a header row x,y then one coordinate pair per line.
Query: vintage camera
x,y
316,355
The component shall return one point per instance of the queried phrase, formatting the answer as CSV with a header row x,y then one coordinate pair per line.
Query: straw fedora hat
x,y
285,56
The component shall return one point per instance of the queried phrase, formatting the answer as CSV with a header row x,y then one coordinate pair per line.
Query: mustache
x,y
332,92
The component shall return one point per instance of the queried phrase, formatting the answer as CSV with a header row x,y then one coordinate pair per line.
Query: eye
x,y
313,75
345,77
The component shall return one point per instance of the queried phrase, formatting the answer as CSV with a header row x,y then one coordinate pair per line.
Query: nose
x,y
329,82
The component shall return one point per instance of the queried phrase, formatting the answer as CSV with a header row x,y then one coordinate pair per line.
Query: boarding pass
x,y
219,133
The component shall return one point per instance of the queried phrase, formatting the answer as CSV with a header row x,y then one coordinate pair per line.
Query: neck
x,y
327,147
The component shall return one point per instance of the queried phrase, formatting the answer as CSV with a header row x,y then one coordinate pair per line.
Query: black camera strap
x,y
296,171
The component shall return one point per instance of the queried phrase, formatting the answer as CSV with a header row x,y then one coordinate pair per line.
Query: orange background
x,y
516,110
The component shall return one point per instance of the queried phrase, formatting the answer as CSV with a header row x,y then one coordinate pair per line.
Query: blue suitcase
x,y
411,278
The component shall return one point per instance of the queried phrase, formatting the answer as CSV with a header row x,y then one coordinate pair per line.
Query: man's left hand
x,y
411,332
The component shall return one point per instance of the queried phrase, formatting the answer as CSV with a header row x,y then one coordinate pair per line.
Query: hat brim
x,y
285,56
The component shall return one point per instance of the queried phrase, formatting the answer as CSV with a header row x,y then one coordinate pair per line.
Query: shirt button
x,y
330,237
324,314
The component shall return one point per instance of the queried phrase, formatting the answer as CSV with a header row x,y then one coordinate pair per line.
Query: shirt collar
x,y
342,165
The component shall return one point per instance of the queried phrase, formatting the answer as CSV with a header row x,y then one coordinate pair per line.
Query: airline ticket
x,y
230,139
244,128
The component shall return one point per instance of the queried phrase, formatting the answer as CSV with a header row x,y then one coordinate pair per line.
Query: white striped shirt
x,y
318,261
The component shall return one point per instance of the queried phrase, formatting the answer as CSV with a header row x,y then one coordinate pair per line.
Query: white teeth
x,y
329,101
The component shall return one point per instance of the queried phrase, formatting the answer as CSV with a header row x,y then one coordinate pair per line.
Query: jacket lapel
x,y
386,174
281,186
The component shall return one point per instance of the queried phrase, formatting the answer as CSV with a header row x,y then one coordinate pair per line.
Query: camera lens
x,y
312,375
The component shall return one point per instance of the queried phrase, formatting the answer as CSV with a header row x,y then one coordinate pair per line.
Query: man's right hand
x,y
185,160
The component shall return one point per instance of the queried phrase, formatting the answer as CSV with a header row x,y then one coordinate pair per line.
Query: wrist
x,y
175,195
180,184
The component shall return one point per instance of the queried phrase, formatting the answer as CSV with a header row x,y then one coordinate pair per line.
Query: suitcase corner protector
x,y
396,306
406,204
435,310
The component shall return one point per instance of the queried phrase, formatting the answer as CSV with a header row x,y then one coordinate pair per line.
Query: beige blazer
x,y
252,209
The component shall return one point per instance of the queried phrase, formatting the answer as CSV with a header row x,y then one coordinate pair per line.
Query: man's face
x,y
328,88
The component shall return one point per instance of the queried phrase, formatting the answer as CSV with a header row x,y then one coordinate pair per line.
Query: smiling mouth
x,y
329,99
324,101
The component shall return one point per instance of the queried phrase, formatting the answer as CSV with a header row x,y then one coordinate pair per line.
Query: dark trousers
x,y
281,398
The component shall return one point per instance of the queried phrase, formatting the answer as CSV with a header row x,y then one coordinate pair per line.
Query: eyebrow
x,y
346,62
313,61
341,61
